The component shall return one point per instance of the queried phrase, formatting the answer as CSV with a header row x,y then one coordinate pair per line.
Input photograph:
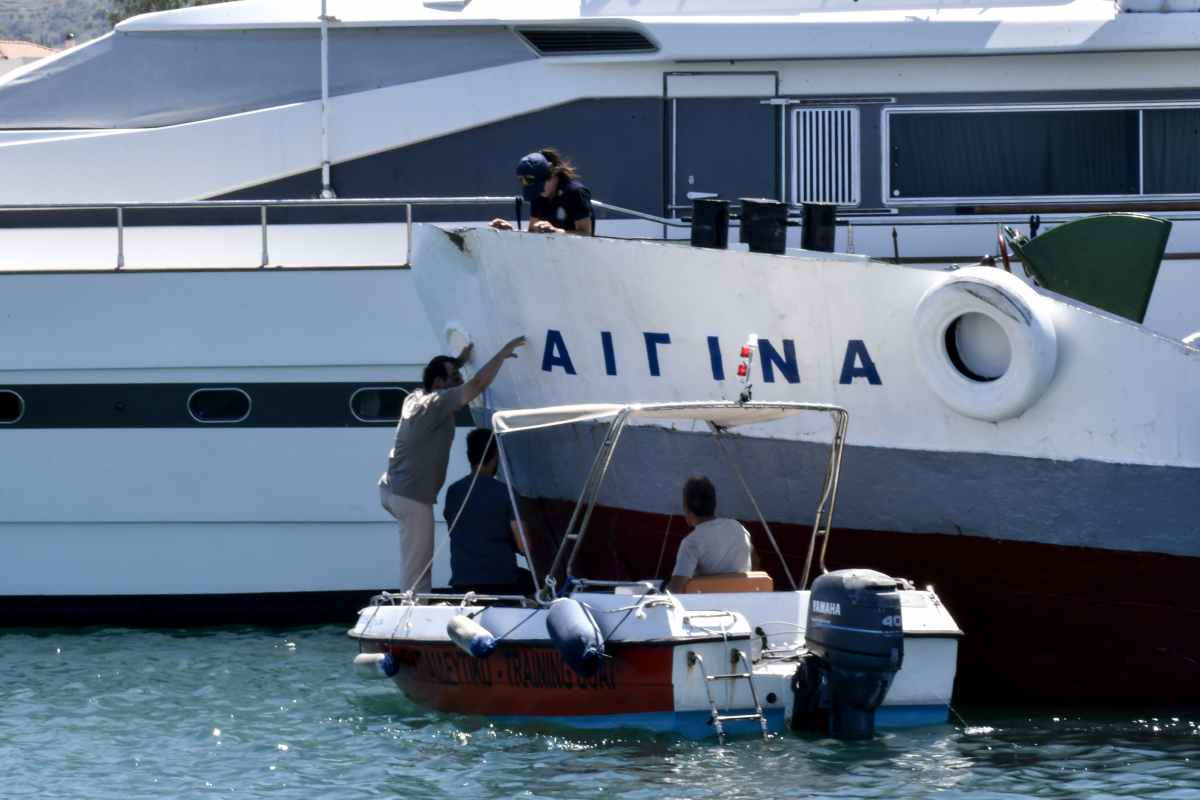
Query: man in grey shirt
x,y
715,546
417,463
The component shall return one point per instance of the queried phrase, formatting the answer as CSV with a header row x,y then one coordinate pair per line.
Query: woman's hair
x,y
559,165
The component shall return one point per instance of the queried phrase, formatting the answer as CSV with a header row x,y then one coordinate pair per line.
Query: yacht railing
x,y
262,206
884,219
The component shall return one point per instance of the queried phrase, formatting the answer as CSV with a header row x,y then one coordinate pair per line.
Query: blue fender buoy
x,y
576,636
470,636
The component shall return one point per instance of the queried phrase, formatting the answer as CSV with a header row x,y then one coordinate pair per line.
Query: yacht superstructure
x,y
936,120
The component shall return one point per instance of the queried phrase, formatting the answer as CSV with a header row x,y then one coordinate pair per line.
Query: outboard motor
x,y
855,643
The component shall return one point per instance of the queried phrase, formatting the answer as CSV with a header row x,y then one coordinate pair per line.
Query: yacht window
x,y
377,403
12,407
1171,151
219,405
956,155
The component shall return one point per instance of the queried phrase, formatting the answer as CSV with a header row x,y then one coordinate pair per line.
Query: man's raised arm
x,y
488,372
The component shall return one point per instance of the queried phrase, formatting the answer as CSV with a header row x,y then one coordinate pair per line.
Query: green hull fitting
x,y
1109,261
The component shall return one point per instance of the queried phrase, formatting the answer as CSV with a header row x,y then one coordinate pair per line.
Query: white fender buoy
x,y
374,665
985,344
470,636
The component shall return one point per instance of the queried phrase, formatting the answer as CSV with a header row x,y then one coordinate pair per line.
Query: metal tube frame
x,y
266,259
512,498
120,237
326,190
591,487
833,472
408,233
761,519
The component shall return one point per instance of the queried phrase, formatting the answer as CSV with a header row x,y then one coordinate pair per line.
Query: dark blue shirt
x,y
570,203
482,550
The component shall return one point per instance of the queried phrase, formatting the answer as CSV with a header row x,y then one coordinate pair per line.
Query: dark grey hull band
x,y
1074,503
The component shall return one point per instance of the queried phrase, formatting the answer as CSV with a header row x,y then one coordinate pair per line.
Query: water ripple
x,y
118,714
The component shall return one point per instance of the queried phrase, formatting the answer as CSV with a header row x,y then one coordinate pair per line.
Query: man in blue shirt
x,y
487,537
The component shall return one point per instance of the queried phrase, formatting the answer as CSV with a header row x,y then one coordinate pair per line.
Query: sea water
x,y
114,713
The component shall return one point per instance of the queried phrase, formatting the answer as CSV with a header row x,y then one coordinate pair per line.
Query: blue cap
x,y
532,172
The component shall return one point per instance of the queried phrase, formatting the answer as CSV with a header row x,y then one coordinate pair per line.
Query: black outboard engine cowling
x,y
855,639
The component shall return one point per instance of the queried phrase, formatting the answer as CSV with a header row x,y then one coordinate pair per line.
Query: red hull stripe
x,y
1040,620
525,681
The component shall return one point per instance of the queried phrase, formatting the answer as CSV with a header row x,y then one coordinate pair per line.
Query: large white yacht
x,y
183,421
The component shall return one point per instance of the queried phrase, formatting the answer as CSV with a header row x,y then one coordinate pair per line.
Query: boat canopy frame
x,y
720,416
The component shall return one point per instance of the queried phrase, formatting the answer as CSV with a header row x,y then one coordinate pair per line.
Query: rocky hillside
x,y
46,22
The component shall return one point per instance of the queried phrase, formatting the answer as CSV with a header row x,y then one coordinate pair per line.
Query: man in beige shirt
x,y
418,461
715,546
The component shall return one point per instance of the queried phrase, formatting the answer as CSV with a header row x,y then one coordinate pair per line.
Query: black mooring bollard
x,y
710,223
819,229
764,225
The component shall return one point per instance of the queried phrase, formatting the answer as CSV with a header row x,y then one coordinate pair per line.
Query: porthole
x,y
12,407
377,403
219,405
978,347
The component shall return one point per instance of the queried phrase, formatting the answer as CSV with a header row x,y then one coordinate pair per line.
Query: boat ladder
x,y
717,718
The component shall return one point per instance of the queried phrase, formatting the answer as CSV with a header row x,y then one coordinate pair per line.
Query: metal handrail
x,y
263,205
628,212
884,219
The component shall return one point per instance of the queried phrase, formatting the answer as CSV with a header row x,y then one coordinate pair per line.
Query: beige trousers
x,y
416,539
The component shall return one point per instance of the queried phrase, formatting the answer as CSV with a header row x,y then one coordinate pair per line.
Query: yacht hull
x,y
119,506
1063,534
1045,622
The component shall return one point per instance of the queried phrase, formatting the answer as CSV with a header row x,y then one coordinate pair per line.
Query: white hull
x,y
96,503
1055,523
665,692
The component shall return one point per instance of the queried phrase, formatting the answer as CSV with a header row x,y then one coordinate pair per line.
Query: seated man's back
x,y
715,546
485,540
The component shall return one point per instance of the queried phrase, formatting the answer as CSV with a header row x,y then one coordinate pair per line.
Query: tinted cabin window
x,y
1013,154
378,404
11,407
219,405
1172,150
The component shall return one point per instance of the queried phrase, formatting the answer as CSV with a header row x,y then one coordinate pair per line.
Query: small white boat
x,y
855,650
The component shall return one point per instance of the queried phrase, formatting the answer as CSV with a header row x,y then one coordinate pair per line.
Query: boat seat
x,y
730,582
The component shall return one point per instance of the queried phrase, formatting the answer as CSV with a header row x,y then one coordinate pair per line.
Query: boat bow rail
x,y
408,203
11,212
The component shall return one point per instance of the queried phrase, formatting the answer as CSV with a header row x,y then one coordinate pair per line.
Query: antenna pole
x,y
327,192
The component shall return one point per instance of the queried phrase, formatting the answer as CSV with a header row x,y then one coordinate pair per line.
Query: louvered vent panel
x,y
576,41
825,163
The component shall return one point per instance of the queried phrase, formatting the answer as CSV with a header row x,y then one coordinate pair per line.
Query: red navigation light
x,y
741,370
745,351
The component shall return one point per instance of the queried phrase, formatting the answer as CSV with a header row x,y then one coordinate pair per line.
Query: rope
x,y
450,530
536,610
762,520
662,550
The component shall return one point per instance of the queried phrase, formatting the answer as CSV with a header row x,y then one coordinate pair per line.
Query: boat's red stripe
x,y
519,681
